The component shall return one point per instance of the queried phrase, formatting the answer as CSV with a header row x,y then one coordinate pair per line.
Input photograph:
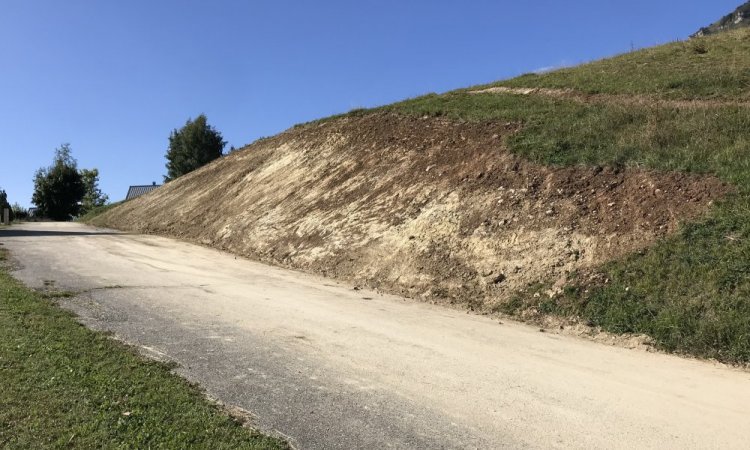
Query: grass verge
x,y
690,293
64,385
97,211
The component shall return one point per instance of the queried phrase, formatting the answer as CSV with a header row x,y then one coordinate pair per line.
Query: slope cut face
x,y
424,207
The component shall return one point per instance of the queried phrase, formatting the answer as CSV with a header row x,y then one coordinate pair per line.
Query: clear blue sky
x,y
113,78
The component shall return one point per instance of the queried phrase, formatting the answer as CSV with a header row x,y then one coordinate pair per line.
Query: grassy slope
x,y
709,67
690,293
66,386
97,211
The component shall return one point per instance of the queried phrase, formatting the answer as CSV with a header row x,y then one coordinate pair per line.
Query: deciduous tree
x,y
192,146
93,196
59,188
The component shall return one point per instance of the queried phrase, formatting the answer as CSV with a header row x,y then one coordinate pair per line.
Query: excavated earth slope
x,y
427,208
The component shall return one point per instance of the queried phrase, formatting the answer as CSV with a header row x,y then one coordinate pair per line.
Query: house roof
x,y
137,191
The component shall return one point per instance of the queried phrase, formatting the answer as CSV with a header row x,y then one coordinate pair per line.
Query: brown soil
x,y
427,208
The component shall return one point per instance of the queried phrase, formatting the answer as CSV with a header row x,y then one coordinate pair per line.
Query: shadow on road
x,y
11,232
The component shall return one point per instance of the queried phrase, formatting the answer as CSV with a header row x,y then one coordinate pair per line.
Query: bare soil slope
x,y
424,207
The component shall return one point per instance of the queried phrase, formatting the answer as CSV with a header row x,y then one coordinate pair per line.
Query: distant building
x,y
137,191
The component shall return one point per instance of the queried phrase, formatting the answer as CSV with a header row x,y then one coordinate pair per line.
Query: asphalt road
x,y
331,367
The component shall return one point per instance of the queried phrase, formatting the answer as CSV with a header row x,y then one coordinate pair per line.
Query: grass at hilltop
x,y
716,67
64,386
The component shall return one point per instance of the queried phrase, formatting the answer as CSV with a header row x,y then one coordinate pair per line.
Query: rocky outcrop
x,y
738,19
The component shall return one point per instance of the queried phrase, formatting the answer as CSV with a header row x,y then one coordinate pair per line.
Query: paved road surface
x,y
331,367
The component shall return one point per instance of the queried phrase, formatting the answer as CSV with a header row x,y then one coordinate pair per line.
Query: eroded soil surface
x,y
428,208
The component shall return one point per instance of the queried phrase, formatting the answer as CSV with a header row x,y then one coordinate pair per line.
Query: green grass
x,y
709,67
564,132
63,385
690,292
98,211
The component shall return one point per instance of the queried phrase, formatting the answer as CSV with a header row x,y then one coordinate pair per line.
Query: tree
x,y
192,146
59,188
4,204
18,212
93,196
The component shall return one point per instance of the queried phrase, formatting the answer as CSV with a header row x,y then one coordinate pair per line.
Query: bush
x,y
19,212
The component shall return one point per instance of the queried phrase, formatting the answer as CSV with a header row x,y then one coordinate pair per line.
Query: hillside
x,y
613,194
738,19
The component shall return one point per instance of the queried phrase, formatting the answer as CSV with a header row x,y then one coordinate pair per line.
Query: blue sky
x,y
113,78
